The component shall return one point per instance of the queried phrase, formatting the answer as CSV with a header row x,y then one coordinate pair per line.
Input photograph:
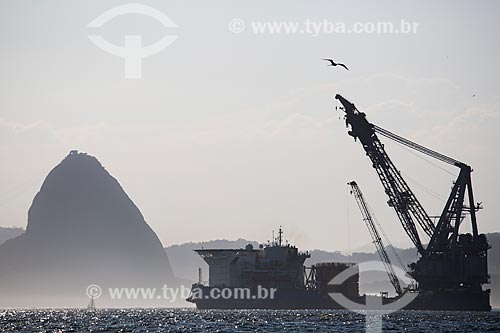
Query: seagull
x,y
333,63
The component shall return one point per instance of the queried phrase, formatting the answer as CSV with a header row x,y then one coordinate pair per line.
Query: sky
x,y
230,134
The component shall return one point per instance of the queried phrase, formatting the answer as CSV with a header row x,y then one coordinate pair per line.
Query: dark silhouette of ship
x,y
274,277
449,275
270,277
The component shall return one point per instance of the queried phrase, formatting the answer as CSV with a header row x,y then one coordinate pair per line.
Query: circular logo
x,y
93,291
372,302
236,26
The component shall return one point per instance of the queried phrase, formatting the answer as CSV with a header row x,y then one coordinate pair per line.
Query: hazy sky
x,y
230,135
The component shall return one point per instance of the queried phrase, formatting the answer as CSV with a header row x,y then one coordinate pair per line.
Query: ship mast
x,y
280,236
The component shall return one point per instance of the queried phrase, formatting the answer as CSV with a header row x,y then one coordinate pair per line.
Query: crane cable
x,y
416,146
386,239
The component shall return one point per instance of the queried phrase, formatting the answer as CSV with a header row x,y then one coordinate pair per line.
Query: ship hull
x,y
452,301
296,299
286,299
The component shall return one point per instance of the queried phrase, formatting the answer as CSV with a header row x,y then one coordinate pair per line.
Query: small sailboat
x,y
91,305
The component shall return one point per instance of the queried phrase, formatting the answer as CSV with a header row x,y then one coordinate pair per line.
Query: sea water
x,y
192,320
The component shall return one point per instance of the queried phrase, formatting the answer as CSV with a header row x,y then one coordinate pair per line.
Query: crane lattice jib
x,y
377,240
401,198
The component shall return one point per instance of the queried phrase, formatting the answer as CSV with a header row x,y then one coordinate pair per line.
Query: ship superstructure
x,y
277,265
275,269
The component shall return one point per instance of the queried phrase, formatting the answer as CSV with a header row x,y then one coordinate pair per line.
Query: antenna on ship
x,y
280,236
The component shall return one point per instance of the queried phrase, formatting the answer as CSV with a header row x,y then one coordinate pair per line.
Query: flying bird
x,y
333,63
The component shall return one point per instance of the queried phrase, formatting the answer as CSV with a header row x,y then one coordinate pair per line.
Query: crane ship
x,y
449,274
452,267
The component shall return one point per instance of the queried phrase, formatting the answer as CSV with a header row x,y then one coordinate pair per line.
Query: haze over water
x,y
226,131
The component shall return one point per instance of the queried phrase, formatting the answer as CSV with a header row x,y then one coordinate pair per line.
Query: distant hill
x,y
82,229
9,233
185,262
494,253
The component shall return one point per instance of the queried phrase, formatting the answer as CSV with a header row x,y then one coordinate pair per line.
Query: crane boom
x,y
401,198
377,240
